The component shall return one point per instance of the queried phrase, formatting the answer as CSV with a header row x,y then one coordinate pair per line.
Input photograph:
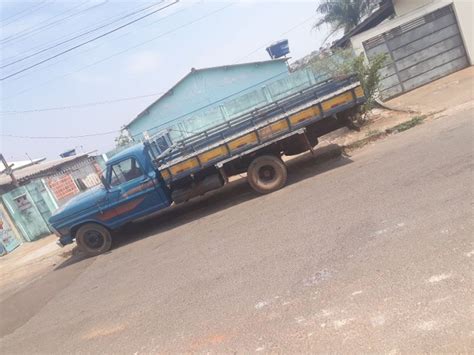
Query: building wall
x,y
63,187
403,7
30,206
73,179
462,8
9,235
200,93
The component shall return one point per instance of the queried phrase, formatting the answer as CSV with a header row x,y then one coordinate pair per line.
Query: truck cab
x,y
131,188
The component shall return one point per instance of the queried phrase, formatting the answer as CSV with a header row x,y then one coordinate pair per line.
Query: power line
x,y
44,45
152,128
96,103
88,41
141,96
127,49
85,51
36,28
80,35
27,11
217,101
153,38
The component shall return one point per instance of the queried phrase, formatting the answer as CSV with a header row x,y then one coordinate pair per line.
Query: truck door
x,y
133,193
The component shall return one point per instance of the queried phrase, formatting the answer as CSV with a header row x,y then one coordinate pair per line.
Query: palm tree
x,y
344,14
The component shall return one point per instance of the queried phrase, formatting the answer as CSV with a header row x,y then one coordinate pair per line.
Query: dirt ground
x,y
29,262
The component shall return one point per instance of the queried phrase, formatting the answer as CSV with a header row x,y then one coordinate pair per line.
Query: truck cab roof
x,y
136,150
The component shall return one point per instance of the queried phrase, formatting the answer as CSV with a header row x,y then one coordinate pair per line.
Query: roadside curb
x,y
414,121
383,105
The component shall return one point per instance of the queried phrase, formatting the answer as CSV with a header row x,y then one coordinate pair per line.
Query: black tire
x,y
266,174
93,239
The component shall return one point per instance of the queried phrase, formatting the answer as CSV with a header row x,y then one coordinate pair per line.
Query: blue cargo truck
x,y
148,177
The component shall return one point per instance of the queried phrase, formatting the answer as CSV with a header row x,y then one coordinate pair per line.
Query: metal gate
x,y
418,51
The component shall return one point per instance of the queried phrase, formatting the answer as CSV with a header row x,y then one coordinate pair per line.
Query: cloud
x,y
145,62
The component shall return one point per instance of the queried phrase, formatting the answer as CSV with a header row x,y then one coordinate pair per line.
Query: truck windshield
x,y
124,171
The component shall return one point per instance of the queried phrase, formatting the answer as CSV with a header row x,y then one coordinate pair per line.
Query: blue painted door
x,y
133,193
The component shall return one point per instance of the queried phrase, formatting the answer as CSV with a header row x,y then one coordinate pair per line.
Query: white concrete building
x,y
424,40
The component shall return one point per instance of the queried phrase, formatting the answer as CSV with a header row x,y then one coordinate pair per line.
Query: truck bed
x,y
258,127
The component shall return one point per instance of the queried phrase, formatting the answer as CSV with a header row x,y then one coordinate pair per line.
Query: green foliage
x,y
372,132
123,140
337,63
369,77
343,62
344,14
415,121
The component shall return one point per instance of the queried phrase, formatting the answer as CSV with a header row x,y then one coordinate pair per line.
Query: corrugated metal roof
x,y
31,171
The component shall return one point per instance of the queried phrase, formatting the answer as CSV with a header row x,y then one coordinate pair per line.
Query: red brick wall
x,y
62,186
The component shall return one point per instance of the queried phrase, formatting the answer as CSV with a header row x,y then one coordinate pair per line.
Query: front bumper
x,y
64,240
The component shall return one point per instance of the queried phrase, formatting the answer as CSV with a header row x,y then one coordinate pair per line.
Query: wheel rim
x,y
266,173
94,239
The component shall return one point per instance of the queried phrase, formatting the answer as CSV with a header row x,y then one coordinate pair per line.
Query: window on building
x,y
125,171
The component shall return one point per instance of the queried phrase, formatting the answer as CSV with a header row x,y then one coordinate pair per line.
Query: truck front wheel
x,y
266,174
93,239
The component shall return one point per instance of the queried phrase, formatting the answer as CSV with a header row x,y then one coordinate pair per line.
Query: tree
x,y
123,140
344,14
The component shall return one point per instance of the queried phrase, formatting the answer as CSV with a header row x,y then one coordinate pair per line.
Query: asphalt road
x,y
372,252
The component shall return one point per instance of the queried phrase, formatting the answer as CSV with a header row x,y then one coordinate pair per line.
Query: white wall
x,y
463,9
403,7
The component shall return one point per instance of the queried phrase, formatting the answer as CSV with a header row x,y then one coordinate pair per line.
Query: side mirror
x,y
105,182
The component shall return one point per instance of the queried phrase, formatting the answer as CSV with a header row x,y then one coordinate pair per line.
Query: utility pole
x,y
9,171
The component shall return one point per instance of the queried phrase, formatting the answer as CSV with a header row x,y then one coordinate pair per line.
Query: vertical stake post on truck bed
x,y
310,147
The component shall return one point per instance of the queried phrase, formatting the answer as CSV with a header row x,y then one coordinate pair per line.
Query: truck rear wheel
x,y
266,174
93,239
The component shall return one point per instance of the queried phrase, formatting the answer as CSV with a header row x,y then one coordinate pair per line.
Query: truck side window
x,y
125,171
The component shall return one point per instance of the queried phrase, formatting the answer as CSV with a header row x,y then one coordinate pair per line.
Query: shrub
x,y
343,62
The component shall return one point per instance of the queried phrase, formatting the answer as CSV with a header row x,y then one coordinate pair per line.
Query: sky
x,y
80,93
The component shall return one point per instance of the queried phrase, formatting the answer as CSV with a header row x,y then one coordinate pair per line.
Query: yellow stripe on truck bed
x,y
185,165
213,154
337,101
165,174
243,141
270,130
304,115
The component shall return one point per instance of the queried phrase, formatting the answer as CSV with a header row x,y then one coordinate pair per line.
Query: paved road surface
x,y
368,253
